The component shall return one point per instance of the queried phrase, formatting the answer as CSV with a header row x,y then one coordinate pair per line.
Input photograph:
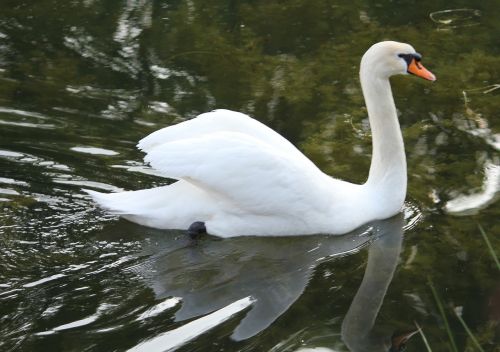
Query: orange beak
x,y
416,68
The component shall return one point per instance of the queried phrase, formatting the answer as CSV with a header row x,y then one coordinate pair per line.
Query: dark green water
x,y
102,74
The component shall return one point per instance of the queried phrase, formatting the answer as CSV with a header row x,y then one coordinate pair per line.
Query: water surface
x,y
82,81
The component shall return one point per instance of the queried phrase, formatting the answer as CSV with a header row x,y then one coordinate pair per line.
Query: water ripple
x,y
471,204
456,18
94,151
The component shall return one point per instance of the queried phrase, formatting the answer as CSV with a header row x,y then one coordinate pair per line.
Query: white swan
x,y
241,178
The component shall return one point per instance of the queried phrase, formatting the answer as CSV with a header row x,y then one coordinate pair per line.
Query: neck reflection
x,y
383,255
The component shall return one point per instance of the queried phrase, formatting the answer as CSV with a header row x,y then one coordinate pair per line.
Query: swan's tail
x,y
173,206
129,202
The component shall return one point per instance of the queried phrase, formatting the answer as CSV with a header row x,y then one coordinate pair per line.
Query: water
x,y
82,82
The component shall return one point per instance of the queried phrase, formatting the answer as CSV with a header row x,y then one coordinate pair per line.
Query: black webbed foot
x,y
196,230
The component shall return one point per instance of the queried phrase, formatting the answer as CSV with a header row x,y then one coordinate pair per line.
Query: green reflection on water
x,y
104,74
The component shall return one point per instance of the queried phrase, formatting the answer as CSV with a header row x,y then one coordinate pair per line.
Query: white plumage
x,y
242,178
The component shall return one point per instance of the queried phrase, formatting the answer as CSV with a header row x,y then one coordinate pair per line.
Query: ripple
x,y
144,123
159,308
471,204
94,150
28,124
8,191
412,216
22,118
92,92
91,184
10,154
161,107
51,310
44,280
162,73
22,113
34,160
78,323
456,18
11,181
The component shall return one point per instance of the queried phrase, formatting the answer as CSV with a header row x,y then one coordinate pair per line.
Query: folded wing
x,y
221,121
245,171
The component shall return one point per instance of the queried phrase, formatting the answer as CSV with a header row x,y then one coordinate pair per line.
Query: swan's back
x,y
222,120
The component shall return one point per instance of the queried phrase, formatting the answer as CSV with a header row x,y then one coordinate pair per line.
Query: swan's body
x,y
240,177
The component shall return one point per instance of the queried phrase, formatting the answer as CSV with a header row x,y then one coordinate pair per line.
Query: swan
x,y
237,177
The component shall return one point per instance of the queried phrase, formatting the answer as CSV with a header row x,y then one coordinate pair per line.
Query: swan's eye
x,y
409,57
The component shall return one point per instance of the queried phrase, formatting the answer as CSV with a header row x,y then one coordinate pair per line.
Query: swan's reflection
x,y
215,273
275,272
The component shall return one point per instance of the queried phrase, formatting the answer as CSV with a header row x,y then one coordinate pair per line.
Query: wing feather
x,y
222,121
242,169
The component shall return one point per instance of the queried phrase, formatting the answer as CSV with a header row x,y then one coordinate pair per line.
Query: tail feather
x,y
104,200
126,203
175,206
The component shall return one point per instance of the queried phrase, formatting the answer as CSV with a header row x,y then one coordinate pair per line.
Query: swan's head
x,y
389,58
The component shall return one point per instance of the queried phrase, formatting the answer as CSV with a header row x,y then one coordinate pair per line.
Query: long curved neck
x,y
388,167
